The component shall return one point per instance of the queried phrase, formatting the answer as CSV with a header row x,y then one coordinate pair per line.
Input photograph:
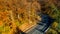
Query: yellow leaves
x,y
1,23
4,15
54,25
6,29
1,7
36,5
27,14
52,31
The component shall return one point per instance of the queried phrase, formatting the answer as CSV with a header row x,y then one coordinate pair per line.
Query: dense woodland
x,y
14,13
